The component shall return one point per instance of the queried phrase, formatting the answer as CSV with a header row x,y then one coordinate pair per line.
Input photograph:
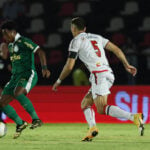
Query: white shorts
x,y
101,82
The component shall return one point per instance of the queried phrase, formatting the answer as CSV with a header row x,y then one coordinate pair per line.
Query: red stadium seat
x,y
67,9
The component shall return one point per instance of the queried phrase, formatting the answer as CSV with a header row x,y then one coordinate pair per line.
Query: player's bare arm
x,y
45,71
65,72
118,52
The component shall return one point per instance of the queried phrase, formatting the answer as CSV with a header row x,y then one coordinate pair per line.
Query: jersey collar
x,y
17,37
80,34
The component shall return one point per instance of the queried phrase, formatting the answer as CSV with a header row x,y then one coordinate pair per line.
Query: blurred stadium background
x,y
124,22
47,22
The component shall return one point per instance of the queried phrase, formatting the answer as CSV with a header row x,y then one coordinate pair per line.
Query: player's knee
x,y
16,94
84,104
100,110
19,90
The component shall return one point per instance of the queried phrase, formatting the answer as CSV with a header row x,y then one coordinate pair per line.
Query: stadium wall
x,y
63,106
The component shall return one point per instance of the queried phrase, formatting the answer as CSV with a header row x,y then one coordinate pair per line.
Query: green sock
x,y
11,113
26,103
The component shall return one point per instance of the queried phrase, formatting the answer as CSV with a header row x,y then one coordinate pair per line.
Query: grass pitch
x,y
68,137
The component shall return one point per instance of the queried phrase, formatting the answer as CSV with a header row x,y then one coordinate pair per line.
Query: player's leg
x,y
28,106
101,92
22,88
11,113
8,110
115,111
89,113
7,96
111,110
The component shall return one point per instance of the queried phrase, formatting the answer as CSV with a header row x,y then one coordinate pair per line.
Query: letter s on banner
x,y
122,95
145,108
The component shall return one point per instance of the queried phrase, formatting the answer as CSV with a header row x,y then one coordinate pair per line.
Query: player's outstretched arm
x,y
45,71
65,72
118,52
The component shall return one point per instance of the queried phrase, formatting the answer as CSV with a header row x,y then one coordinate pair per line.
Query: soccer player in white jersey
x,y
90,50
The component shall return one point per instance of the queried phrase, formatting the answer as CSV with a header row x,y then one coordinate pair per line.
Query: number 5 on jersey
x,y
96,48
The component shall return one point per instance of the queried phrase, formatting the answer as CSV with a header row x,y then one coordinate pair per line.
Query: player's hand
x,y
131,69
46,73
56,84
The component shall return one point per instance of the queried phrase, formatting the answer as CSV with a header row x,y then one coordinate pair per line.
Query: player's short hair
x,y
79,23
9,25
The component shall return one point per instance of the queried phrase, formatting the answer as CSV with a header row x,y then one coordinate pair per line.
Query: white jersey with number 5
x,y
90,49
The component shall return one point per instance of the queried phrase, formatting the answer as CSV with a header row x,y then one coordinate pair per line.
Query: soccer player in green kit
x,y
24,76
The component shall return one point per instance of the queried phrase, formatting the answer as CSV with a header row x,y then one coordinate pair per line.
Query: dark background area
x,y
47,22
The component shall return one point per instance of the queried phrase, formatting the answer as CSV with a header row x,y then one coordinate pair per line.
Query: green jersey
x,y
22,54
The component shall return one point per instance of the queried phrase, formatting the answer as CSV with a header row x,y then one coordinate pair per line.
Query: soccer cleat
x,y
36,123
19,129
91,133
138,121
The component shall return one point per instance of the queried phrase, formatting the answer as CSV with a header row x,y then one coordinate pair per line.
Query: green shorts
x,y
27,80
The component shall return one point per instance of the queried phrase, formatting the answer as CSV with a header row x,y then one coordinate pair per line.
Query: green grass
x,y
68,137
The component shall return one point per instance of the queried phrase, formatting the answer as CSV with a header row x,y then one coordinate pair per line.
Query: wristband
x,y
58,81
44,67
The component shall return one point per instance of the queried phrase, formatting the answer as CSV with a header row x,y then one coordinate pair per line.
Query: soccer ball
x,y
3,129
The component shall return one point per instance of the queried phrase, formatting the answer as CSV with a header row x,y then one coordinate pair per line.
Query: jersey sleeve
x,y
104,41
31,45
74,45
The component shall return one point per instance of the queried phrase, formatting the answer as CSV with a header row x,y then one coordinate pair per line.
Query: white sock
x,y
115,111
90,116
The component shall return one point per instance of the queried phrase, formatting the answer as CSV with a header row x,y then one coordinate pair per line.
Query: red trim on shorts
x,y
99,71
94,72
